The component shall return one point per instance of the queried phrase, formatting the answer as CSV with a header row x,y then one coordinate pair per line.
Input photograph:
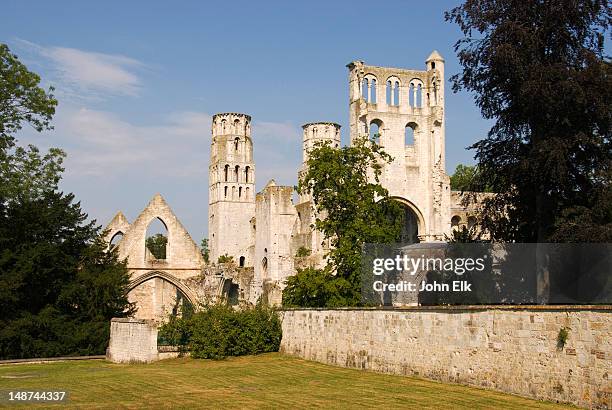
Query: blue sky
x,y
139,81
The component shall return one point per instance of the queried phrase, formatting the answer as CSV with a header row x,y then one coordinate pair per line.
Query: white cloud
x,y
99,143
88,74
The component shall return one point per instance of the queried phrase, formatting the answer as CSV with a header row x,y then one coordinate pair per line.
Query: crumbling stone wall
x,y
511,349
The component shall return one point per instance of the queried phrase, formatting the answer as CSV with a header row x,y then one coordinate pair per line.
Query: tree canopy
x,y
539,71
352,209
59,284
463,177
156,244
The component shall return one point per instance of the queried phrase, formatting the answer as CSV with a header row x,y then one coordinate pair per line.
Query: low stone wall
x,y
132,341
511,349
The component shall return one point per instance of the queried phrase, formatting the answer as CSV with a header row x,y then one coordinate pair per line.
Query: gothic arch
x,y
167,277
422,228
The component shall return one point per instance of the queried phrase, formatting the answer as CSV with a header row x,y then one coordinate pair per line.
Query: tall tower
x,y
231,176
313,133
403,109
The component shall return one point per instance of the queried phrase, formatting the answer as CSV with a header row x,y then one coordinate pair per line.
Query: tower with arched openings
x,y
231,196
407,119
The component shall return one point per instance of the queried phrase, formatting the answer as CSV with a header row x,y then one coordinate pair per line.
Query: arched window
x,y
241,261
223,122
376,131
433,65
471,222
236,173
246,173
115,239
226,173
236,141
369,89
409,134
246,193
156,240
389,93
225,191
237,127
455,221
233,192
240,192
415,93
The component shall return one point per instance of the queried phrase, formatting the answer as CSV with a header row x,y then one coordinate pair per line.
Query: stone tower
x,y
313,133
404,111
231,204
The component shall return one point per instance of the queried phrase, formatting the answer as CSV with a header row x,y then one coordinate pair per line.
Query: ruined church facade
x,y
267,235
402,109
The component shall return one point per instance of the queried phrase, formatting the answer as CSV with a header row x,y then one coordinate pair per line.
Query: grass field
x,y
270,380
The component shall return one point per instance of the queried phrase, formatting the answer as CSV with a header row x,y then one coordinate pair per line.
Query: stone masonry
x,y
513,349
262,232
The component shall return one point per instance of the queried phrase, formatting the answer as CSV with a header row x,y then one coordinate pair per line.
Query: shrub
x,y
225,259
219,331
562,337
302,252
318,288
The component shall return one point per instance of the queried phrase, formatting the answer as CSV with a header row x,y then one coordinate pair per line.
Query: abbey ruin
x,y
402,109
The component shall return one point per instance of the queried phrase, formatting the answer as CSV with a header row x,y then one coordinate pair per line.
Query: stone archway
x,y
154,299
414,224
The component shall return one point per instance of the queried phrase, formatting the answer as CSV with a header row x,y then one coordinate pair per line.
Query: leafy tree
x,y
467,178
462,178
538,70
225,259
204,249
58,286
21,99
24,172
313,288
218,331
352,209
156,244
303,252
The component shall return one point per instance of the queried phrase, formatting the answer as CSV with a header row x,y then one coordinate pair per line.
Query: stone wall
x,y
511,349
132,341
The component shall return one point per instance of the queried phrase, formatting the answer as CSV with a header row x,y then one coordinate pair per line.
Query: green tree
x,y
21,98
312,288
24,172
156,244
59,287
225,259
538,70
205,250
352,209
461,180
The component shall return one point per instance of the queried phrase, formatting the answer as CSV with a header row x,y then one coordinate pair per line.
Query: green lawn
x,y
270,380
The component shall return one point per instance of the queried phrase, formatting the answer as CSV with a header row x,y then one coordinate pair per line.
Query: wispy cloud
x,y
99,143
86,73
